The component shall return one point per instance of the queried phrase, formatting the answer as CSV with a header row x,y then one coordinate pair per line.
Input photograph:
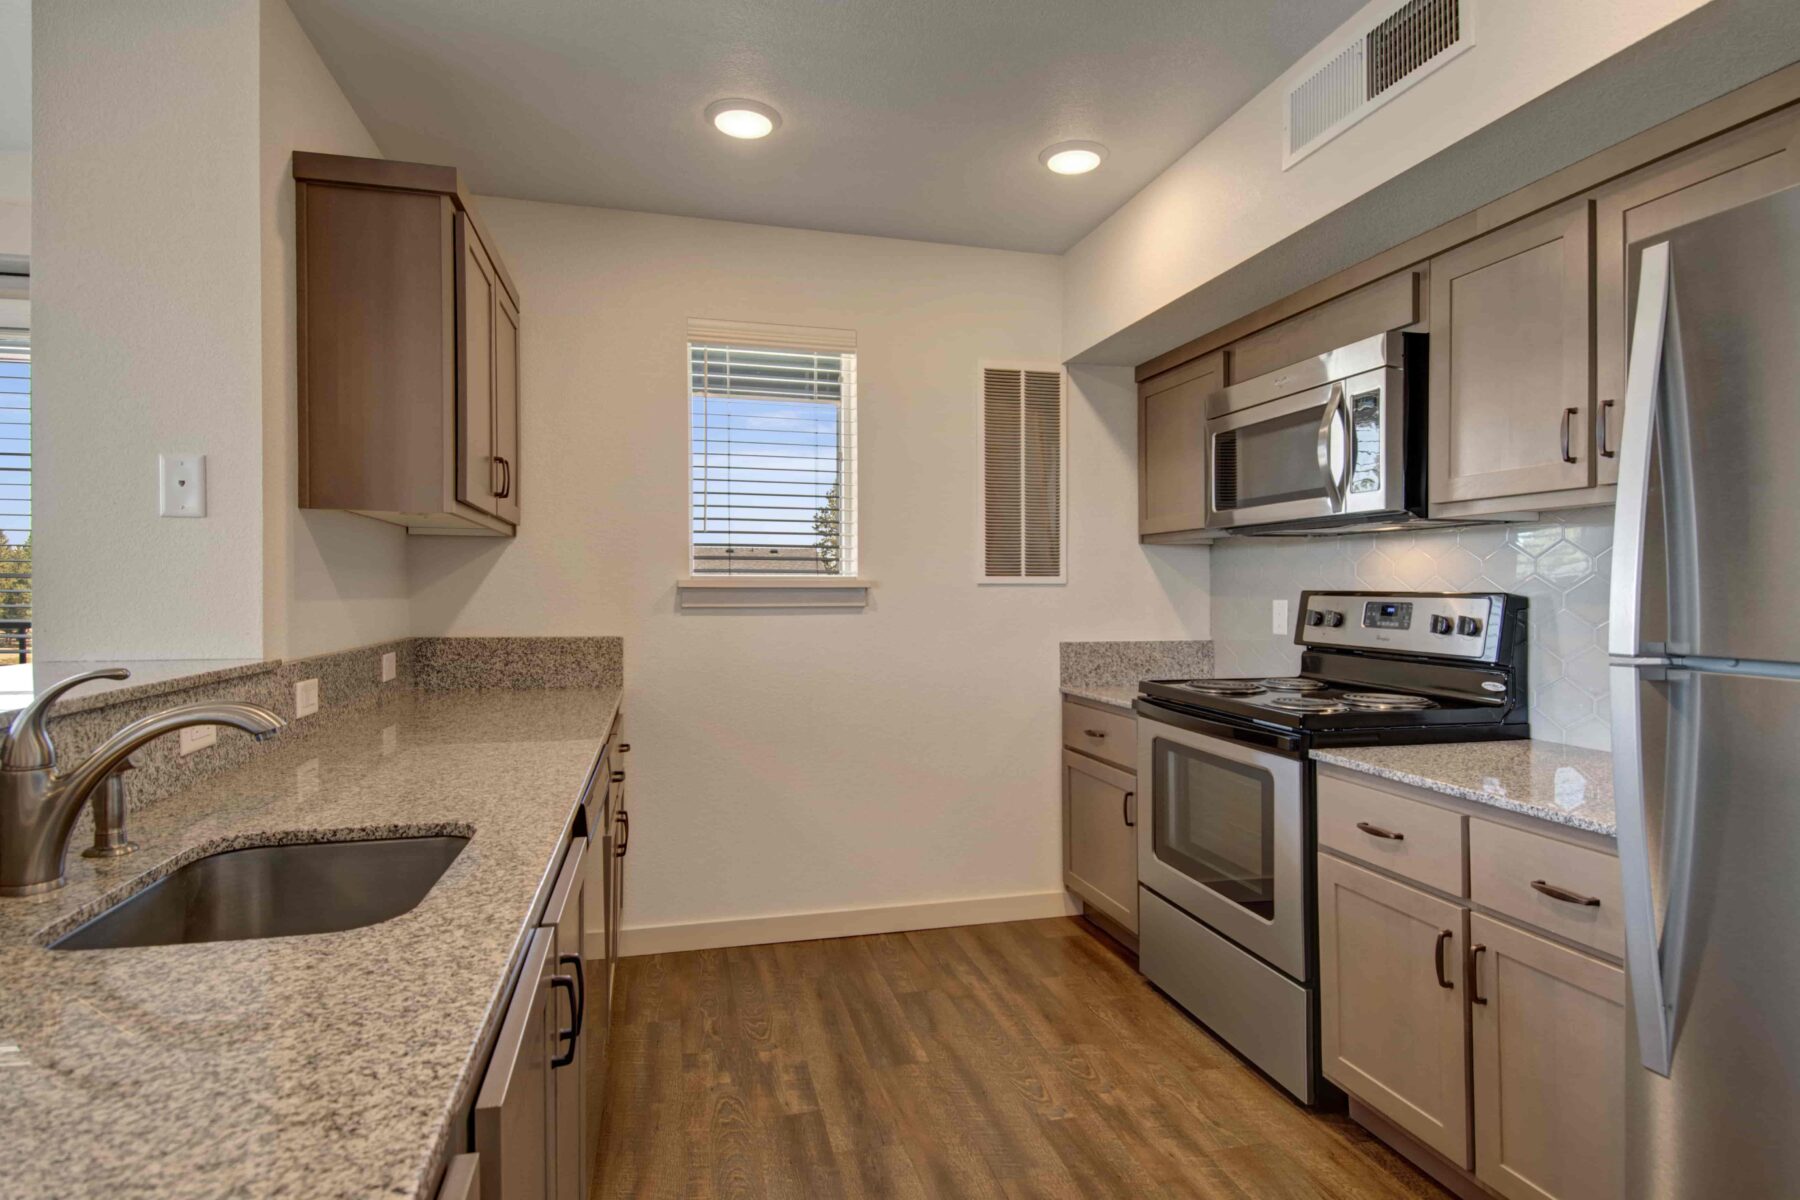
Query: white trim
x,y
774,581
780,337
847,922
772,591
980,509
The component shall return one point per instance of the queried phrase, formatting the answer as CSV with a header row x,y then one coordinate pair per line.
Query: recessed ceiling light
x,y
1073,158
742,118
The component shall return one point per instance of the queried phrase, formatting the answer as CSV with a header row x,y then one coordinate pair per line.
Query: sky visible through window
x,y
767,468
15,492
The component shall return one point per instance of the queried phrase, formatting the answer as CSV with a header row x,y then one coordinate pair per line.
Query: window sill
x,y
773,591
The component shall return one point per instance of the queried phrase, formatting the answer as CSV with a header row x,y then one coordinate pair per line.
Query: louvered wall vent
x,y
1022,471
1352,79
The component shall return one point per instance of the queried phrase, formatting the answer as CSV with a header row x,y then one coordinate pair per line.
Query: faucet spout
x,y
38,808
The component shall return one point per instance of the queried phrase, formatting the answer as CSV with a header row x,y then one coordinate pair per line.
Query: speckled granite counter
x,y
1547,780
1117,696
317,1066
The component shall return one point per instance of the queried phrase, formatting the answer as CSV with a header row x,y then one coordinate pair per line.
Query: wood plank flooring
x,y
1008,1061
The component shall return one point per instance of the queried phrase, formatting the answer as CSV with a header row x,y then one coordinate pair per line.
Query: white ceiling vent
x,y
1348,80
1024,460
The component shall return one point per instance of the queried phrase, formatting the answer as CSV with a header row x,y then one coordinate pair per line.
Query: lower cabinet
x,y
1100,837
1392,1015
1549,1066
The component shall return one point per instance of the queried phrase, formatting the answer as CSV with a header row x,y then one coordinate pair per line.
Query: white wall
x,y
146,290
791,762
15,202
332,579
1228,199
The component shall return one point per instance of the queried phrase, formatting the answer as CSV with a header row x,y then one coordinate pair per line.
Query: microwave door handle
x,y
1334,487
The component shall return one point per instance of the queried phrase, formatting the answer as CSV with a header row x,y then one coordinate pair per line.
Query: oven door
x,y
1330,451
1224,837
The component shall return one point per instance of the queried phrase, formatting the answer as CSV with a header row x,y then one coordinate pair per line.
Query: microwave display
x,y
1387,614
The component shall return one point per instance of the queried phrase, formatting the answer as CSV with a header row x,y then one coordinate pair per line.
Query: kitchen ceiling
x,y
916,119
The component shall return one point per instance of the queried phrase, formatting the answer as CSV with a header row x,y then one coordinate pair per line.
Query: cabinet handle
x,y
505,477
1475,953
624,822
1378,831
1125,808
1443,939
624,747
618,777
1606,408
1095,733
580,973
1564,894
563,1060
1568,433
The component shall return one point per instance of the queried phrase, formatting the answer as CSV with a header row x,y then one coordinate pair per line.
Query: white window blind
x,y
1022,459
773,453
15,496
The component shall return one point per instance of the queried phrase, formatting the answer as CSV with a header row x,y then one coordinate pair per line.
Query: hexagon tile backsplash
x,y
1563,567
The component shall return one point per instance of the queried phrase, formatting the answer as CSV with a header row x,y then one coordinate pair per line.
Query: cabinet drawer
x,y
1577,892
1103,734
1400,835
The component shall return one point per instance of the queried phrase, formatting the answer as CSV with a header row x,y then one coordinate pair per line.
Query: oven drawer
x,y
1578,896
1111,736
1419,841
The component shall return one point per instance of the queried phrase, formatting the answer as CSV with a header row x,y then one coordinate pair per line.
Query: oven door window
x,y
1214,821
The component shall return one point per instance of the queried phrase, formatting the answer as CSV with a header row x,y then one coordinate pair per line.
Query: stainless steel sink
x,y
274,891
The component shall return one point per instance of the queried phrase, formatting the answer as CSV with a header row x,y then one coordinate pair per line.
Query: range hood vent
x,y
1397,48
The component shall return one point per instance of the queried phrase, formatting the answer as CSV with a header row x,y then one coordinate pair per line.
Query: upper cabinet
x,y
1512,384
409,349
1724,173
1172,450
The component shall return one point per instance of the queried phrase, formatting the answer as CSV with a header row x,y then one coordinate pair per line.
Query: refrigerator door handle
x,y
1635,445
1652,959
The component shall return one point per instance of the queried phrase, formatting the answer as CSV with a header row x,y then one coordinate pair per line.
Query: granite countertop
x,y
1547,780
20,682
1119,696
323,1065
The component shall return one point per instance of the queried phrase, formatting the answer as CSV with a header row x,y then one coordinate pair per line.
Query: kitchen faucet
x,y
38,805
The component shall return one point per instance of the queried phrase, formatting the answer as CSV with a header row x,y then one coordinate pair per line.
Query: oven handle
x,y
1262,739
1335,487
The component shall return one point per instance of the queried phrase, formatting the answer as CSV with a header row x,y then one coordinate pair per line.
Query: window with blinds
x,y
1022,469
15,496
773,446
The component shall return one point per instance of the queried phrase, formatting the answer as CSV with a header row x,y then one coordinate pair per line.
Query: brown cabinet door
x,y
1100,836
506,404
1711,178
1172,475
1393,1020
1549,1037
1512,360
477,292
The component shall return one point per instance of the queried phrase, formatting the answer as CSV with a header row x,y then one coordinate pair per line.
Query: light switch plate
x,y
198,737
388,668
181,480
1278,620
306,697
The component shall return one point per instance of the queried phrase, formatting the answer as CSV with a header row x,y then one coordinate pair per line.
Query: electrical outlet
x,y
198,737
1278,620
388,667
181,482
306,697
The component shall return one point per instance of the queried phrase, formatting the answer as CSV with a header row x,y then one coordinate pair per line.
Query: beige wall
x,y
332,580
15,202
146,290
1228,199
786,761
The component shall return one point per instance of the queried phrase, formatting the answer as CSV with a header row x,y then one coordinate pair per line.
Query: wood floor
x,y
1018,1060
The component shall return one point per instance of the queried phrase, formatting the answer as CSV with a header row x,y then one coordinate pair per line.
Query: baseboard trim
x,y
844,922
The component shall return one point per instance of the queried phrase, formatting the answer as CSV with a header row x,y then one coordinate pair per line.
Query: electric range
x,y
1226,924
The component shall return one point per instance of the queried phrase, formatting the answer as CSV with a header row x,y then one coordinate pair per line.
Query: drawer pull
x,y
1443,939
1564,894
1125,805
1568,422
1095,733
1377,831
1475,953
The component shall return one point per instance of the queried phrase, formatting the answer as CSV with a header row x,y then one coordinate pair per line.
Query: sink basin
x,y
274,891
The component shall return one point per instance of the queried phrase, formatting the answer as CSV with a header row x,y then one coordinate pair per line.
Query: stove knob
x,y
1468,626
1314,617
1441,624
1333,620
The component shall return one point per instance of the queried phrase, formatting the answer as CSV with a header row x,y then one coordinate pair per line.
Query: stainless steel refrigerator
x,y
1705,638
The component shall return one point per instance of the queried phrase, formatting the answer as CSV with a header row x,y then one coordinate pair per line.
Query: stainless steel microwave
x,y
1331,442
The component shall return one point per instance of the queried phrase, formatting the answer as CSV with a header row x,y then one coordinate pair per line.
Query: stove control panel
x,y
1461,625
